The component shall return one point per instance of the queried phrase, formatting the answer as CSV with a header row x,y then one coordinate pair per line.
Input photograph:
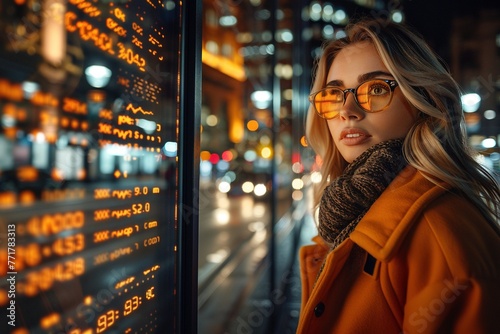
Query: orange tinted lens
x,y
328,102
374,95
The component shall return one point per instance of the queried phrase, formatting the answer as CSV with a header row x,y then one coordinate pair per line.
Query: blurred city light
x,y
261,98
8,121
205,168
116,150
339,17
297,167
285,36
297,195
315,12
266,152
327,12
170,149
250,155
148,126
397,16
97,75
212,47
340,34
219,256
297,184
316,177
303,141
222,216
252,125
205,155
228,20
490,114
284,71
247,187
214,158
265,140
224,187
488,142
288,93
169,5
260,190
30,88
222,165
328,31
470,102
227,155
212,120
263,14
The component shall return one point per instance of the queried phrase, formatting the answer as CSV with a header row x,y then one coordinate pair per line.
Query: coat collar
x,y
383,228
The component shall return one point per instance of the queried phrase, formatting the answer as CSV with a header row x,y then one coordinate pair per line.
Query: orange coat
x,y
422,260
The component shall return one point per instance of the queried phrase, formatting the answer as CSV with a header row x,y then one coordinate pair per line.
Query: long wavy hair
x,y
437,144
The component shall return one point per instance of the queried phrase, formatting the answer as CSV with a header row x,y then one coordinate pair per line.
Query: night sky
x,y
433,18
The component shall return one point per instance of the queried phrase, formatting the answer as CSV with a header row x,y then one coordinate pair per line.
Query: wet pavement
x,y
236,293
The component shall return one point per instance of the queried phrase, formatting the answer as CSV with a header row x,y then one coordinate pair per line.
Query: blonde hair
x,y
436,144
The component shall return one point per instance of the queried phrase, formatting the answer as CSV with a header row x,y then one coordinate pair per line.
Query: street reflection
x,y
222,216
227,223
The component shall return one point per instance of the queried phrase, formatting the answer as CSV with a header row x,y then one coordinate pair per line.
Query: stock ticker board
x,y
89,109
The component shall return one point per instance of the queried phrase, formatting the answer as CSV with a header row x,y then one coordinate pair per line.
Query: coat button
x,y
319,309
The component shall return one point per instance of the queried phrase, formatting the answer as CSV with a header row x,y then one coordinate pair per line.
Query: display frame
x,y
181,247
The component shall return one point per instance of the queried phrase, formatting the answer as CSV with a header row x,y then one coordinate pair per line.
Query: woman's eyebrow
x,y
335,83
372,75
361,78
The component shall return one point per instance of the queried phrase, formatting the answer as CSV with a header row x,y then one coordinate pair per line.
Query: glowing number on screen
x,y
131,305
69,245
137,191
106,320
139,208
55,223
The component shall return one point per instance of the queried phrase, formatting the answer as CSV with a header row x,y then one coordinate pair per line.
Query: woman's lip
x,y
353,133
353,136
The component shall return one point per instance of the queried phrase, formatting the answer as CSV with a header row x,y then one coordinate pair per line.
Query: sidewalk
x,y
277,311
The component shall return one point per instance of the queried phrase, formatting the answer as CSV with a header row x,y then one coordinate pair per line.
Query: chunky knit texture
x,y
346,200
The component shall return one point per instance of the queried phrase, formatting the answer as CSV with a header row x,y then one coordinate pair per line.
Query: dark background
x,y
433,18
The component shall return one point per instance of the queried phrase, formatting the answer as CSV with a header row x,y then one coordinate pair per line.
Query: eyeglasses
x,y
372,96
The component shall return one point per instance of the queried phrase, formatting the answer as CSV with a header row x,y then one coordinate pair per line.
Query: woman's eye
x,y
377,90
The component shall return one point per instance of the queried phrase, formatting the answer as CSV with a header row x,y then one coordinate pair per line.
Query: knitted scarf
x,y
346,200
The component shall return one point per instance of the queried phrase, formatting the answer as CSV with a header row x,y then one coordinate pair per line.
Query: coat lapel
x,y
387,222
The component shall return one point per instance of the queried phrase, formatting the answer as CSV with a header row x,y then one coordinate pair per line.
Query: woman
x,y
408,235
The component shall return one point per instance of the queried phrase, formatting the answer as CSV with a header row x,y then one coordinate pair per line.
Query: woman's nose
x,y
350,109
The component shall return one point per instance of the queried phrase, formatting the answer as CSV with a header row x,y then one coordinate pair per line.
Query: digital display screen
x,y
89,117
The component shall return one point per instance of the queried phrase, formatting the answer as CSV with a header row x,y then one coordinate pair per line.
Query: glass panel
x,y
89,95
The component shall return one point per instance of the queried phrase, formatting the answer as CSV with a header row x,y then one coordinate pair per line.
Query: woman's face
x,y
355,130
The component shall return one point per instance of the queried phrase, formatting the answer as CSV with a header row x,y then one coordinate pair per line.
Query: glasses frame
x,y
354,91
